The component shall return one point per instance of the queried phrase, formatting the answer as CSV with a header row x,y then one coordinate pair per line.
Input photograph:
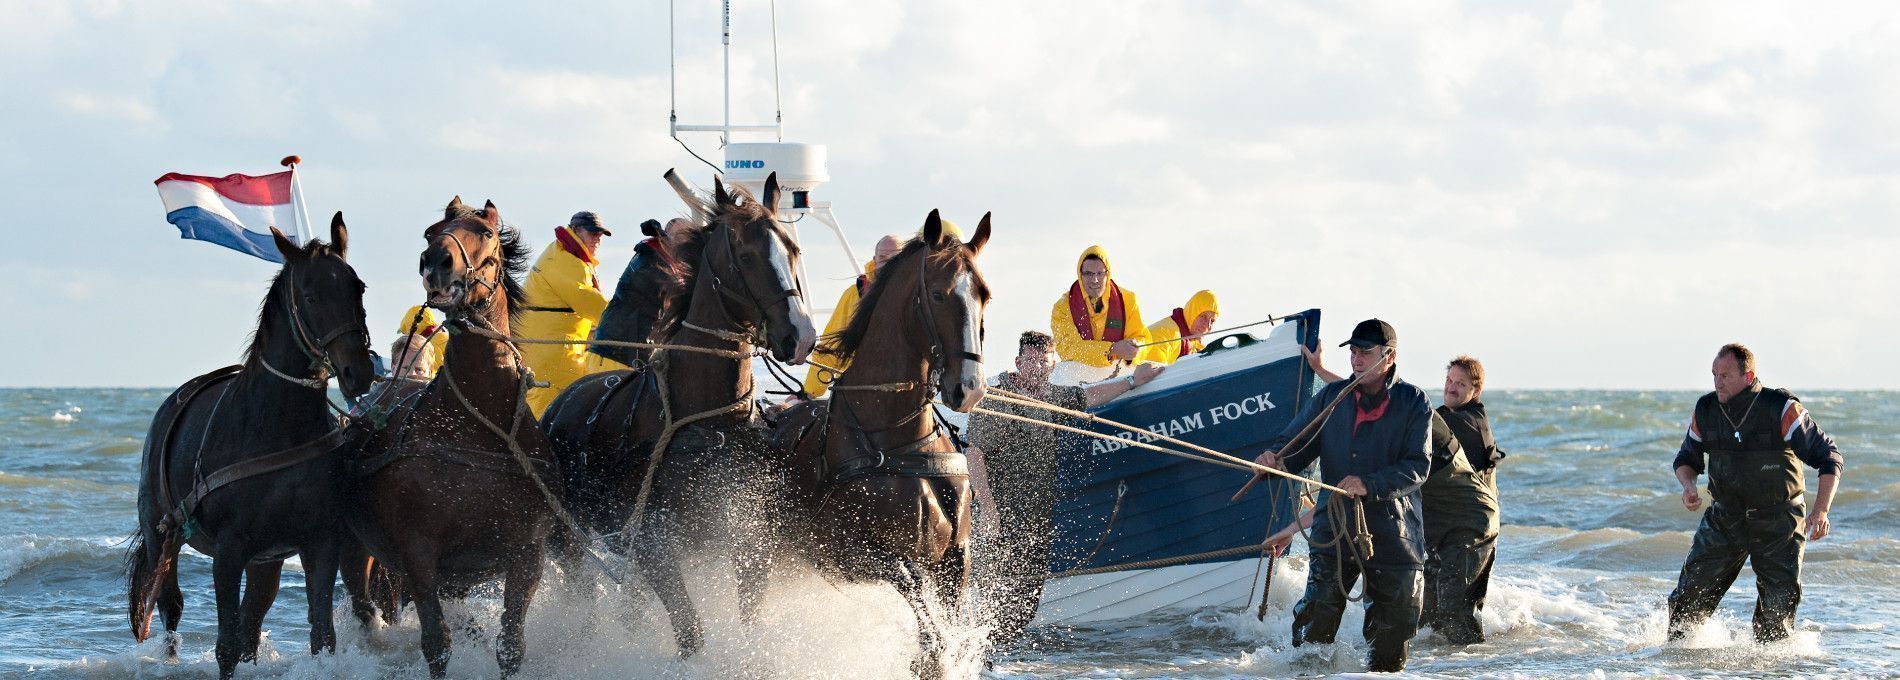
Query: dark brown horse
x,y
879,492
451,490
739,282
245,463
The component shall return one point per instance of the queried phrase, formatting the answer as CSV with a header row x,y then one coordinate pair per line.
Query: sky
x,y
1582,194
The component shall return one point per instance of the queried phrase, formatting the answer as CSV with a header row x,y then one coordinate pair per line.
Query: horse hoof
x,y
172,642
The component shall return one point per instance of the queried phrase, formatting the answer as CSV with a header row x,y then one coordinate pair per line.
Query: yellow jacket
x,y
1070,345
818,380
431,319
563,302
1171,329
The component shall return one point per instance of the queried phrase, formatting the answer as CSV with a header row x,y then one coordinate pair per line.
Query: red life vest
x,y
573,247
1112,328
1180,321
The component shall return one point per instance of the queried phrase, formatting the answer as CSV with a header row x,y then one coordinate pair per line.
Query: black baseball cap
x,y
1373,333
586,219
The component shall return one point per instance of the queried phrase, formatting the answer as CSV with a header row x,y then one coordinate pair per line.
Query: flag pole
x,y
296,199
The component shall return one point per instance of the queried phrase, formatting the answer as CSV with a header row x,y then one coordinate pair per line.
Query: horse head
x,y
754,262
951,296
324,300
467,264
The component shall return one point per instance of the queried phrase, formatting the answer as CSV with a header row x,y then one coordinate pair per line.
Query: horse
x,y
879,493
663,452
453,491
245,463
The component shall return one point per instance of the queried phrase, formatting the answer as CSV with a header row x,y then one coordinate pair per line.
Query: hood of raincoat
x,y
1202,302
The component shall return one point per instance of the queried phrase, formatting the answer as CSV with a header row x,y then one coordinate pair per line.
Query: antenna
x,y
726,128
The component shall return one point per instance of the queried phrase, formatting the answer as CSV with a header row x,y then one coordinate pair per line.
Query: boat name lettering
x,y
1234,410
1178,427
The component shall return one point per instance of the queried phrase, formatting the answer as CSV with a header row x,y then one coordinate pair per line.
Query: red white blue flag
x,y
234,211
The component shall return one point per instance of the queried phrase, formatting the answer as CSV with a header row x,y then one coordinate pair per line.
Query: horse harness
x,y
910,459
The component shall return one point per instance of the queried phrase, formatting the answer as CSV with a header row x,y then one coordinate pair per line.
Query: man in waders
x,y
1013,476
1461,507
1376,446
1753,441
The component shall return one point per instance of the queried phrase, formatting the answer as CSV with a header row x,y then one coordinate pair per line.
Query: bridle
x,y
934,368
751,331
468,279
315,349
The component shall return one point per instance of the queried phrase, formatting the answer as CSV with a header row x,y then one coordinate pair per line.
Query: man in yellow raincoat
x,y
1184,326
1097,322
563,302
429,327
818,380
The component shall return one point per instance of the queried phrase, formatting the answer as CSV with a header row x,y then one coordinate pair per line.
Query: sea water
x,y
1594,532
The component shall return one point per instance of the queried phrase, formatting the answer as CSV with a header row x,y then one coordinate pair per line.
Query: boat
x,y
1138,531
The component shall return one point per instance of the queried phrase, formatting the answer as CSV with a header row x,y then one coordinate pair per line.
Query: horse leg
x,y
524,576
911,582
752,565
435,629
260,590
658,558
171,600
227,575
319,579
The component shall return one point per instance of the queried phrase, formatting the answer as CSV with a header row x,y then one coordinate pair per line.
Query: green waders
x,y
1392,608
1461,534
1755,479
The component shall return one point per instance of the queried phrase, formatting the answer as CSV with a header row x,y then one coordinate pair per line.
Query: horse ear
x,y
982,236
770,197
339,235
491,214
720,197
289,250
933,228
455,206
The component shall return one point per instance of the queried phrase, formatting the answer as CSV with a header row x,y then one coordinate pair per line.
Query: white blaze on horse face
x,y
965,290
796,310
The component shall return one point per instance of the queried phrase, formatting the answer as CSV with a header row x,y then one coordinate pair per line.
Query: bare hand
x,y
1818,526
1312,358
1268,459
1691,500
1353,486
1123,349
1147,372
1277,545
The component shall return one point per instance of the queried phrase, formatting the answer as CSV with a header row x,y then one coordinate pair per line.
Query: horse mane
x,y
689,246
845,343
262,337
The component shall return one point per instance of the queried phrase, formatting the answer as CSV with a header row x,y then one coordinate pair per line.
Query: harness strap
x,y
533,308
260,465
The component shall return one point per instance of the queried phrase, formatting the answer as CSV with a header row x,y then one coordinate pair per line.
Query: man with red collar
x,y
1376,446
1180,334
1097,322
563,302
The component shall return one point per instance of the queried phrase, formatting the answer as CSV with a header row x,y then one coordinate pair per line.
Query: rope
x,y
666,440
727,353
1217,457
1098,435
1312,427
1217,331
1163,562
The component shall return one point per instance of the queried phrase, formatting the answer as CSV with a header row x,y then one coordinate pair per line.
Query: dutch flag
x,y
234,211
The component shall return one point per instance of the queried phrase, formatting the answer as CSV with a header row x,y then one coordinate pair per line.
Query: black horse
x,y
243,463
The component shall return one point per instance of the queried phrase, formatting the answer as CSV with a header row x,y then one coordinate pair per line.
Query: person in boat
x,y
1752,441
1180,334
1097,322
638,296
424,321
1376,446
818,380
1013,476
1461,507
563,303
411,352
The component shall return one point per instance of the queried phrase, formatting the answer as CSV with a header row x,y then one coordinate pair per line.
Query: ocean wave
x,y
26,554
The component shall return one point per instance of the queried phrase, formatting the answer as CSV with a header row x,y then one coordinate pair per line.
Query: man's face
x,y
1094,277
1729,378
588,238
1458,387
1366,360
887,248
1203,323
1033,364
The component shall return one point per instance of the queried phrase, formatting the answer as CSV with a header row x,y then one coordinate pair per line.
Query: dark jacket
x,y
636,304
1390,454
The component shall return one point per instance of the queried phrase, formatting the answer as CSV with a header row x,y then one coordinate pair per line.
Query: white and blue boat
x,y
1137,531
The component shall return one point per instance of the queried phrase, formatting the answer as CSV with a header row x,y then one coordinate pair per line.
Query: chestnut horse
x,y
879,493
739,285
245,464
455,489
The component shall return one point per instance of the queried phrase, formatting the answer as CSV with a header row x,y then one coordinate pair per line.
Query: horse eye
x,y
936,296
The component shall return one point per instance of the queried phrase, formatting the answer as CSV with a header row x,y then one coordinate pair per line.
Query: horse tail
x,y
142,580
